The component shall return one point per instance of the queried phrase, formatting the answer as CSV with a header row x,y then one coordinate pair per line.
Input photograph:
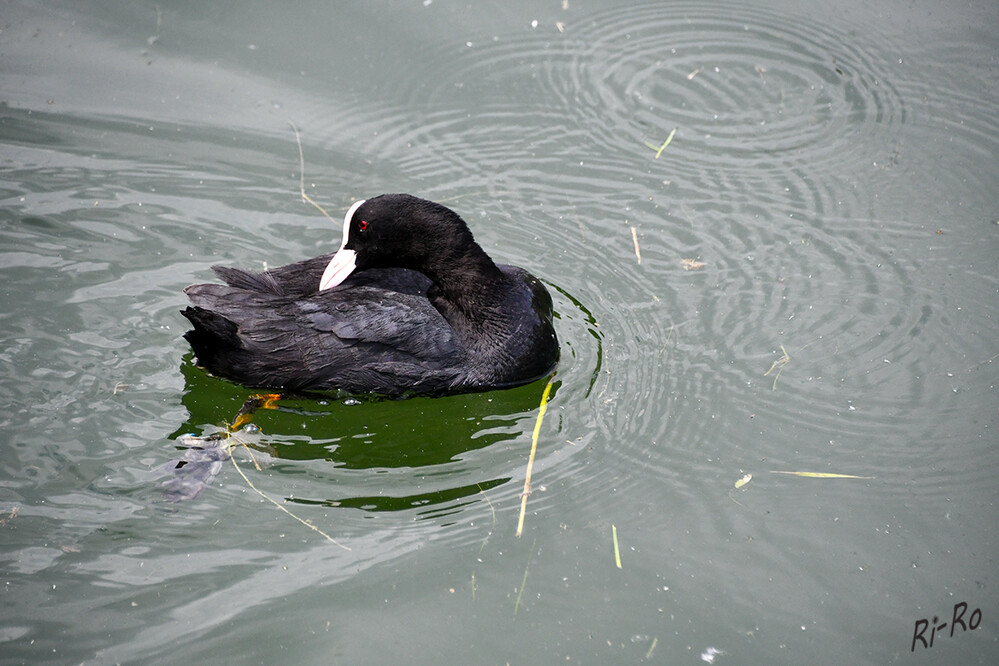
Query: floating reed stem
x,y
530,461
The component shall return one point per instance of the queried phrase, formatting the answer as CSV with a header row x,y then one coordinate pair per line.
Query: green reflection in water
x,y
426,435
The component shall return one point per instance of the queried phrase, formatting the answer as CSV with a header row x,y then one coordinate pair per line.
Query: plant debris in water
x,y
203,459
779,366
659,149
691,264
617,549
821,475
530,461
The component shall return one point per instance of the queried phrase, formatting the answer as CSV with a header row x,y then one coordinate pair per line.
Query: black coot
x,y
409,304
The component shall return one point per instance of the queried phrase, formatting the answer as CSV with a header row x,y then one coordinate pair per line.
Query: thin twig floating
x,y
278,504
301,172
659,149
634,238
245,416
523,582
821,475
249,452
530,461
985,362
482,547
617,550
779,365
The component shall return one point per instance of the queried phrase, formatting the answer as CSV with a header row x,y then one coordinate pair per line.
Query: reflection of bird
x,y
409,304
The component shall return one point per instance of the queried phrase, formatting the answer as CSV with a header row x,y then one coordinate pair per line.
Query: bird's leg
x,y
252,404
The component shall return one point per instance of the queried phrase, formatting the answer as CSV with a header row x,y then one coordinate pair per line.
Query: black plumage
x,y
416,307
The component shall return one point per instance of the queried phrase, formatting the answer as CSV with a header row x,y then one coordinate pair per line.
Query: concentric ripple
x,y
830,187
746,83
753,85
780,122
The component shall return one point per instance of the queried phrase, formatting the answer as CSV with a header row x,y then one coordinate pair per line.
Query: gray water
x,y
827,210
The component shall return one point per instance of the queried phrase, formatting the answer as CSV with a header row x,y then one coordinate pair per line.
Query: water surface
x,y
826,210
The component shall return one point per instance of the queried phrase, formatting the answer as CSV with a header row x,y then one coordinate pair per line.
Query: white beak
x,y
342,265
344,261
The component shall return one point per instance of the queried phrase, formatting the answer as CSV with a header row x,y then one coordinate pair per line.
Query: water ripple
x,y
750,84
770,111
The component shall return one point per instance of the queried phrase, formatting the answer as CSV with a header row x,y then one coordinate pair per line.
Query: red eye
x,y
362,225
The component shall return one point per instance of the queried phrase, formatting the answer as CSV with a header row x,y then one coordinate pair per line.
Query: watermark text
x,y
960,618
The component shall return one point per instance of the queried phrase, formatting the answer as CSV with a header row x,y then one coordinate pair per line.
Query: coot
x,y
409,304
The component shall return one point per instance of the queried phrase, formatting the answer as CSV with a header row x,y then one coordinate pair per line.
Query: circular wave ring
x,y
752,85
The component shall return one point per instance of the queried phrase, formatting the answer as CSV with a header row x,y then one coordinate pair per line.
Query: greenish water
x,y
832,182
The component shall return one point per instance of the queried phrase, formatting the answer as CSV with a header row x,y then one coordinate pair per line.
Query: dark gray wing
x,y
365,339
